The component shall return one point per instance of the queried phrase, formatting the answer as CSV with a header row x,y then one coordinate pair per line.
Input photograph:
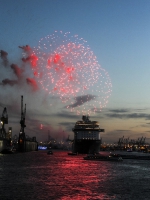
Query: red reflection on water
x,y
93,197
82,179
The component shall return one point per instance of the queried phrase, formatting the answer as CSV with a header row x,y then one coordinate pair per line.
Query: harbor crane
x,y
25,143
22,121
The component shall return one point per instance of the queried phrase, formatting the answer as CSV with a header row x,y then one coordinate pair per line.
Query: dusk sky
x,y
116,36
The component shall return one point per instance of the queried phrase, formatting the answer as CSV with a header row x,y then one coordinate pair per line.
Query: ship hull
x,y
86,146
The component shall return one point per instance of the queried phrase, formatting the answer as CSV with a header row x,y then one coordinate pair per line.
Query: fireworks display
x,y
69,69
64,66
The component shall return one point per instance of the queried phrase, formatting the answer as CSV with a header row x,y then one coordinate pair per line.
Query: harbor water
x,y
37,175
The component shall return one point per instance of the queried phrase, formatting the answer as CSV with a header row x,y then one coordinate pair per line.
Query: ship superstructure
x,y
86,136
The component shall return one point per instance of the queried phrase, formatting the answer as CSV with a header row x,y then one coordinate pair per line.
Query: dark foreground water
x,y
38,176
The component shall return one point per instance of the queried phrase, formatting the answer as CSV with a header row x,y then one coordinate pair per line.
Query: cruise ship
x,y
87,137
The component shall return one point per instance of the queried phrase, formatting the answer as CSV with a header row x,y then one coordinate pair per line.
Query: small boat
x,y
50,152
102,157
129,150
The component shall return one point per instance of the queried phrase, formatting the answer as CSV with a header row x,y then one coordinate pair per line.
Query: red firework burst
x,y
65,66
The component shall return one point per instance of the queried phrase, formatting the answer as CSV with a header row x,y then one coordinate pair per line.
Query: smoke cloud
x,y
3,56
9,82
33,83
18,71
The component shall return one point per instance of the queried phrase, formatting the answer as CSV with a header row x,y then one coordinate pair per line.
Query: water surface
x,y
36,175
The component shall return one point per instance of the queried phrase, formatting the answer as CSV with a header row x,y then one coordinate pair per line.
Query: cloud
x,y
80,100
67,115
119,110
127,114
122,130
